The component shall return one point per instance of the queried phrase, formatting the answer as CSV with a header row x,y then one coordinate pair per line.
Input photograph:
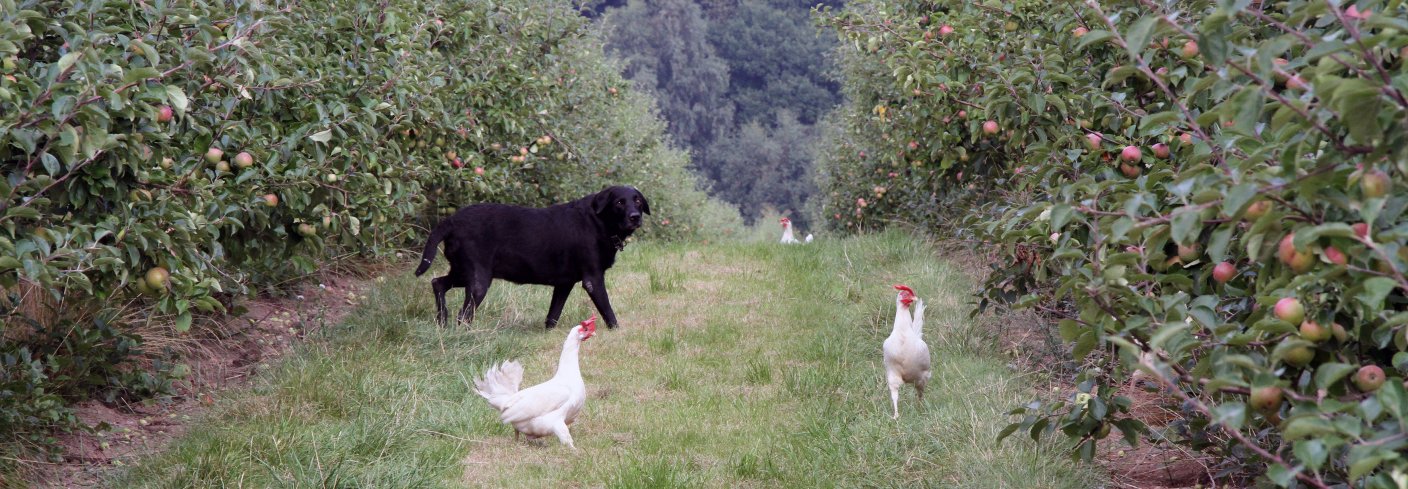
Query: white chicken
x,y
547,408
787,231
906,354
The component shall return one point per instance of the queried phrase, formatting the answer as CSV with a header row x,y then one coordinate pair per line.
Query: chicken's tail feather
x,y
499,382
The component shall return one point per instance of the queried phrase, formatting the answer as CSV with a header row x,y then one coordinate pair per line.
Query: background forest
x,y
742,86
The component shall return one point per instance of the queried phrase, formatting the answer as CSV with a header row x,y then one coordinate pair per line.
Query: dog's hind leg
x,y
441,285
477,286
559,298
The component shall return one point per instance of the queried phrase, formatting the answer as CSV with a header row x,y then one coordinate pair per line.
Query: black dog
x,y
558,246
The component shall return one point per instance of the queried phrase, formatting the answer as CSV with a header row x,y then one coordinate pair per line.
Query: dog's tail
x,y
431,245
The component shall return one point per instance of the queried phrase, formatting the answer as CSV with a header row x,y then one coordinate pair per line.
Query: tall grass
x,y
737,365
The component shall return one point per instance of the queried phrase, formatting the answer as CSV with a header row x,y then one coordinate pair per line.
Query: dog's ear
x,y
601,201
644,203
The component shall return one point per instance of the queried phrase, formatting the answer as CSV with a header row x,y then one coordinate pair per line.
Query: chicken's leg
x,y
895,382
563,435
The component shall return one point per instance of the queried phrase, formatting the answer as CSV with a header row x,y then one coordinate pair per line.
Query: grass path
x,y
737,365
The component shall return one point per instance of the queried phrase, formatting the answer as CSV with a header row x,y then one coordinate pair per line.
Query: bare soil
x,y
227,357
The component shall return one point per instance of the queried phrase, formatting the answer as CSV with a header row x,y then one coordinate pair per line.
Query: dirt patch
x,y
1162,466
228,355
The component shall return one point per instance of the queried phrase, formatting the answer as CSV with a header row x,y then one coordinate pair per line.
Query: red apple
x,y
163,114
1289,309
1286,249
1299,356
457,163
1131,171
1374,184
244,160
945,30
271,200
1186,138
1131,154
1361,229
1092,140
990,128
1161,151
913,145
962,114
213,155
1266,398
1190,49
478,170
1313,332
1080,31
1334,255
1224,272
1189,252
1257,209
1369,378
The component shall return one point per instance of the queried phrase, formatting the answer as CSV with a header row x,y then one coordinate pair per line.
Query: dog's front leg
x,y
596,289
559,298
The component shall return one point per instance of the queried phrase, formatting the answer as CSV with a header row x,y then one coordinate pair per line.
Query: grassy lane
x,y
738,365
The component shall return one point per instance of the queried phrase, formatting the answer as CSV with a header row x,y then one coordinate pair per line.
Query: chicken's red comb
x,y
590,324
904,288
784,220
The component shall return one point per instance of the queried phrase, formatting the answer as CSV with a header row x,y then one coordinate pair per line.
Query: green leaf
x,y
1306,236
23,212
1138,36
1060,214
1360,97
1237,199
1007,431
177,98
1084,345
1092,37
1312,452
1280,474
1069,329
322,136
1186,222
66,61
1329,373
1364,465
1217,244
1232,414
1375,290
1306,426
1393,398
183,322
138,74
1251,102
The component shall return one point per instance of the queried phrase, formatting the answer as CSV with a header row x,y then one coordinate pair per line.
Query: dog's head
x,y
620,209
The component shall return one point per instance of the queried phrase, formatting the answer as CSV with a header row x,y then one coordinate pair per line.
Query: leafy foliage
x,y
171,156
1131,149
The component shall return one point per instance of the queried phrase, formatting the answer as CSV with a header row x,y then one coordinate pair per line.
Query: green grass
x,y
738,365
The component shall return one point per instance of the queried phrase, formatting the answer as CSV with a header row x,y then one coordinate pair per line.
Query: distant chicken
x,y
547,408
787,237
906,354
787,231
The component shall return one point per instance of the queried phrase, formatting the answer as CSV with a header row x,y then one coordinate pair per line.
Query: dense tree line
x,y
741,85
